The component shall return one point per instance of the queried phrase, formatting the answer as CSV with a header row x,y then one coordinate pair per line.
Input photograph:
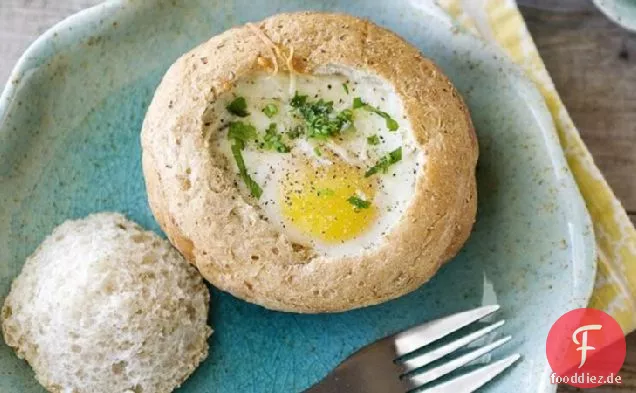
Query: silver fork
x,y
384,367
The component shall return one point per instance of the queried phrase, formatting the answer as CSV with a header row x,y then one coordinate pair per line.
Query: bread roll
x,y
103,306
228,221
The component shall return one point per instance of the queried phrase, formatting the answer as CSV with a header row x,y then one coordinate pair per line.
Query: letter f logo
x,y
584,347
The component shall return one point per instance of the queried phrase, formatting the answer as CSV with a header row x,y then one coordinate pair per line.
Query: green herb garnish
x,y
326,192
274,140
391,124
358,203
241,131
270,110
317,151
385,162
373,140
345,87
345,118
238,107
295,132
298,101
320,120
255,189
239,134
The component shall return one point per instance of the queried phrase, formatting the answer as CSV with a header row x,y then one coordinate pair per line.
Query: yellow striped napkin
x,y
615,288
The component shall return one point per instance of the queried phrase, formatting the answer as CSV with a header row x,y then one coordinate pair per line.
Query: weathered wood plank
x,y
22,21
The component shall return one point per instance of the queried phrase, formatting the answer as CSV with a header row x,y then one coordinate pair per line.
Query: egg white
x,y
395,189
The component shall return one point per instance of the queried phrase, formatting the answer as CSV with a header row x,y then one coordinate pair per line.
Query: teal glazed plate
x,y
622,12
70,119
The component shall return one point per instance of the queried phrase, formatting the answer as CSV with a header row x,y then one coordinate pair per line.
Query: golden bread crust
x,y
199,207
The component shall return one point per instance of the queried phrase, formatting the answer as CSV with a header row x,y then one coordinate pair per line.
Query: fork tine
x,y
429,357
426,333
473,380
433,374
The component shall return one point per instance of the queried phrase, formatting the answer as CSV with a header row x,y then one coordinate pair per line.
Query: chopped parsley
x,y
325,192
270,110
295,132
298,101
238,107
239,134
320,120
241,131
373,140
255,189
273,140
358,202
385,162
391,124
345,118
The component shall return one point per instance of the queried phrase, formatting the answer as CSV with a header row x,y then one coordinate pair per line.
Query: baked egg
x,y
329,157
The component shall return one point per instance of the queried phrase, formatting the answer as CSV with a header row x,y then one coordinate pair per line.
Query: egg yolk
x,y
317,201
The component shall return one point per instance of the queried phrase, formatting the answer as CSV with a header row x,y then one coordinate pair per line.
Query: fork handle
x,y
357,380
335,383
370,370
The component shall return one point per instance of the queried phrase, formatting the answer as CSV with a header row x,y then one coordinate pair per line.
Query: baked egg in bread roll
x,y
311,162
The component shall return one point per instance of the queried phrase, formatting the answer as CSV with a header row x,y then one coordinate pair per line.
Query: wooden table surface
x,y
592,62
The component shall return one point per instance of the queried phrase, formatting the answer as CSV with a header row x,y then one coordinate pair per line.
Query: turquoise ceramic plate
x,y
69,145
622,12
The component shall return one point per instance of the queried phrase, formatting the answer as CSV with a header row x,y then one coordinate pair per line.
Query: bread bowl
x,y
103,306
211,192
